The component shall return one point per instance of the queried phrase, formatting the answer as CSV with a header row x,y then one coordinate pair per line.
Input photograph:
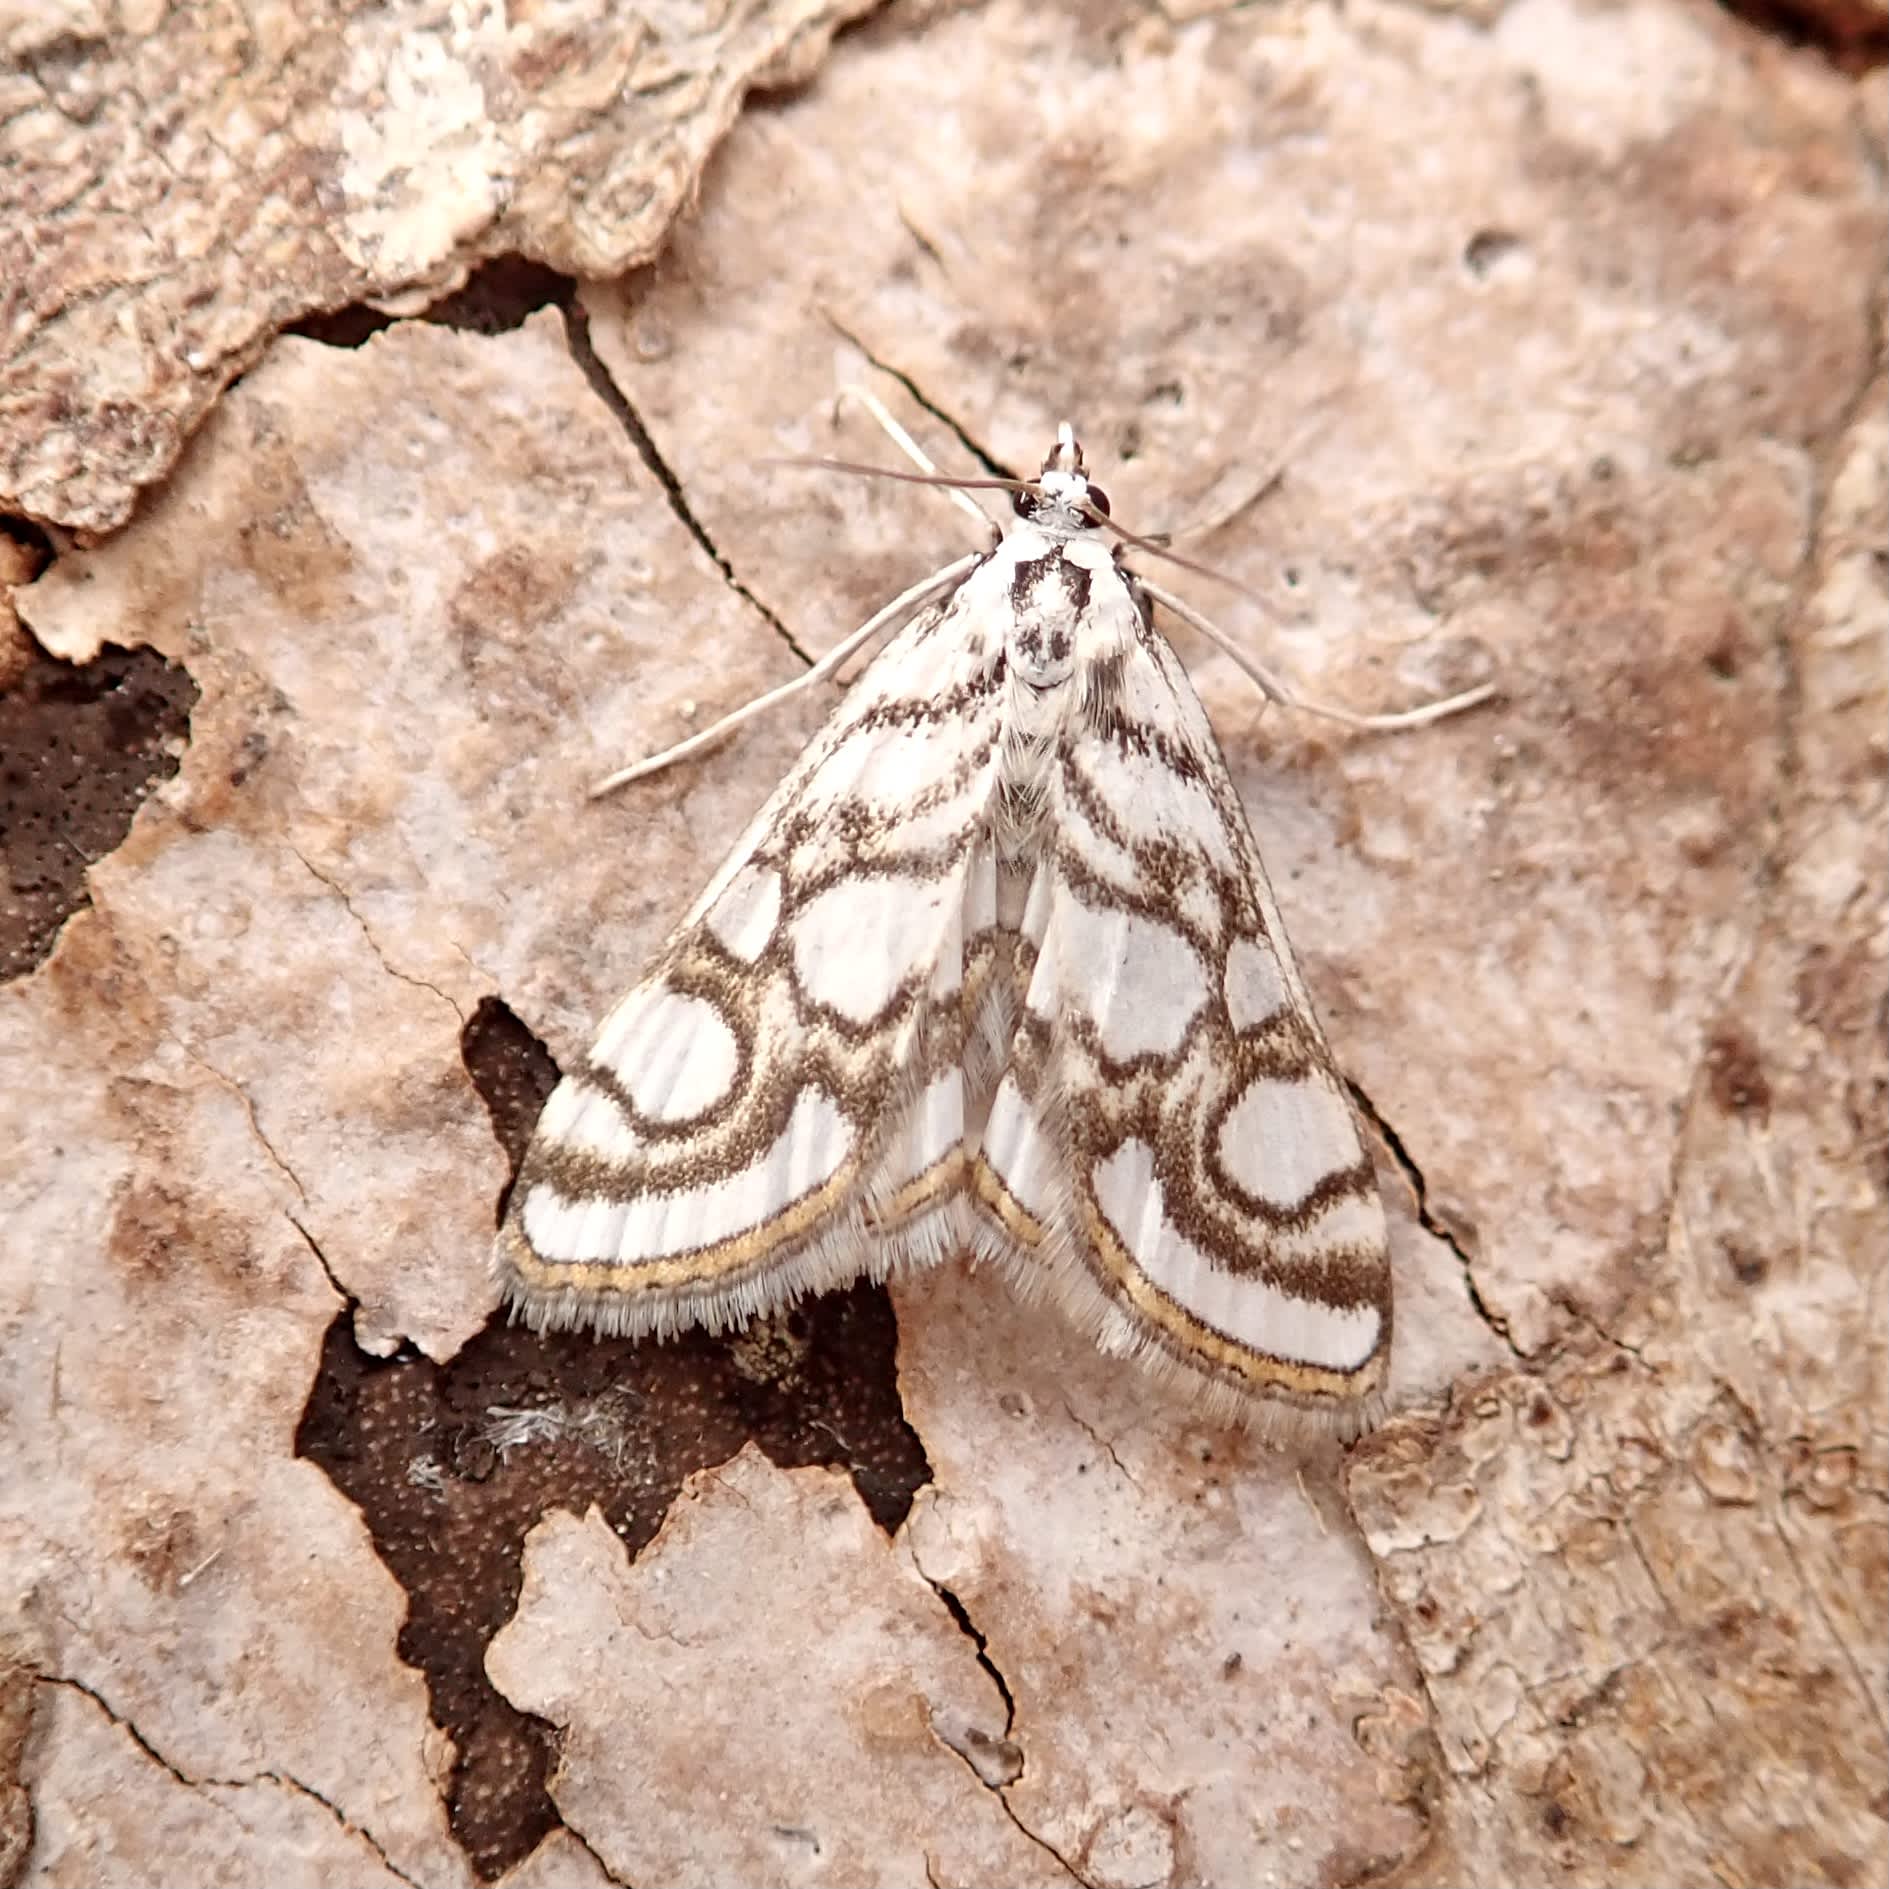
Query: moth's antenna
x,y
928,474
948,480
865,397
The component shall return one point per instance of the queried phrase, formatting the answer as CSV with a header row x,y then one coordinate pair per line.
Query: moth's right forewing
x,y
1173,1141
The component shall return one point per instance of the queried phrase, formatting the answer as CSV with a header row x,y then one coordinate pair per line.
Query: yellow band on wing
x,y
1313,1382
717,1264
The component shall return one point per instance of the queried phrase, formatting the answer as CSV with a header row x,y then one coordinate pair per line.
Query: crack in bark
x,y
283,1780
1430,1223
124,1724
590,1849
242,1095
584,353
1629,1527
373,943
969,1628
347,1298
1582,1316
1002,1794
501,294
1042,1842
1102,1443
972,1632
290,1782
992,465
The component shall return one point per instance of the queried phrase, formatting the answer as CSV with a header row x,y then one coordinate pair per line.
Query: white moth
x,y
996,971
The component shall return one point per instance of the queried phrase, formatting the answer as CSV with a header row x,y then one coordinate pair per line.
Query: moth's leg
x,y
1276,690
938,584
866,398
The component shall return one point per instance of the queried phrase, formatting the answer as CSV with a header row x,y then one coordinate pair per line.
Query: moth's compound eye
x,y
1099,499
1024,501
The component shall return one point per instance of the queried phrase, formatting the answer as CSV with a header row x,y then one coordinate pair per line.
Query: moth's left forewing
x,y
1173,1142
777,1107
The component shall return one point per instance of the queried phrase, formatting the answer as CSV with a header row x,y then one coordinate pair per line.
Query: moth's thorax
x,y
1068,602
1068,615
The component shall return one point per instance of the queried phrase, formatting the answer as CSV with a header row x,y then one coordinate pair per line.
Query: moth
x,y
995,972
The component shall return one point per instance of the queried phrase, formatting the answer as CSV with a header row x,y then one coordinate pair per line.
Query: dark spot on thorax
x,y
1075,581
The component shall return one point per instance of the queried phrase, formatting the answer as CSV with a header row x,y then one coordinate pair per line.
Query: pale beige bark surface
x,y
864,1720
1560,326
184,181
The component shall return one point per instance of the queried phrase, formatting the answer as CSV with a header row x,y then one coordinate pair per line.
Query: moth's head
x,y
1063,497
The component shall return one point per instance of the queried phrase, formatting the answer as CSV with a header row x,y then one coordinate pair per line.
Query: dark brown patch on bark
x,y
412,1444
1736,1074
80,748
